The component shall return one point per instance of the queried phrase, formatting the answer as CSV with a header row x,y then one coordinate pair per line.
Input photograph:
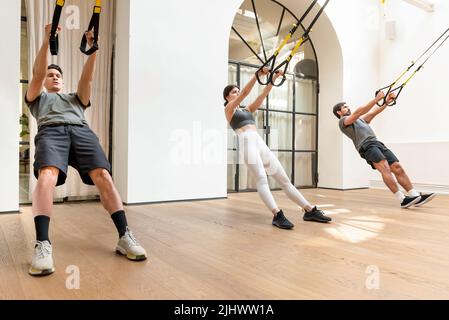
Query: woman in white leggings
x,y
259,159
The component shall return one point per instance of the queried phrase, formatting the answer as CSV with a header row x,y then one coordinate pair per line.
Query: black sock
x,y
42,223
120,222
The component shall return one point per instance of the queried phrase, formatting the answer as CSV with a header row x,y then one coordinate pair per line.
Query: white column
x,y
11,104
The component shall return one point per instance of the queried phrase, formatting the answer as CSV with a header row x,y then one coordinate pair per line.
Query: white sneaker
x,y
129,247
42,262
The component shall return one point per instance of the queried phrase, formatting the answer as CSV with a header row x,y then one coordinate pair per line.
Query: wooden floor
x,y
227,249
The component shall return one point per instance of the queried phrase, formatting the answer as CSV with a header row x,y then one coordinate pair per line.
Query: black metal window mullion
x,y
247,44
258,28
267,122
237,166
294,131
280,22
315,162
289,112
111,109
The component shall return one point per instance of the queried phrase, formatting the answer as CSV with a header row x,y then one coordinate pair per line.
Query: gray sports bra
x,y
241,118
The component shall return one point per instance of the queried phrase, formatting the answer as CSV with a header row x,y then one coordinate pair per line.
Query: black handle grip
x,y
269,76
54,45
277,70
94,25
278,84
91,50
382,102
397,91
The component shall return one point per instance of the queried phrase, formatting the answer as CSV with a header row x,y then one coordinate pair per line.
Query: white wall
x,y
357,26
417,128
178,53
175,83
346,39
330,63
185,93
9,96
121,99
169,82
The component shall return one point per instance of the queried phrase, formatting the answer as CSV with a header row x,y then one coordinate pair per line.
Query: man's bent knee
x,y
49,174
383,167
100,173
397,168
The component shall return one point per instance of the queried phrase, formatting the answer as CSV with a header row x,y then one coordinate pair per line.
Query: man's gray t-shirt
x,y
359,132
58,108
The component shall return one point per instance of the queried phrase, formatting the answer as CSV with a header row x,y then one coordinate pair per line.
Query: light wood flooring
x,y
228,249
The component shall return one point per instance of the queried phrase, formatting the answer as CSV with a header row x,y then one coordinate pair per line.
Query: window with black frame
x,y
288,120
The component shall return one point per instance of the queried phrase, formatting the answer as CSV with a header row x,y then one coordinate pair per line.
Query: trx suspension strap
x,y
273,58
391,88
54,42
299,43
94,25
304,38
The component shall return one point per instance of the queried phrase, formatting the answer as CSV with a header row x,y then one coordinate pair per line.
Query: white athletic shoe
x,y
129,247
42,262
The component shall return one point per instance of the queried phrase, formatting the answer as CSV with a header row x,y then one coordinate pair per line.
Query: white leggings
x,y
261,161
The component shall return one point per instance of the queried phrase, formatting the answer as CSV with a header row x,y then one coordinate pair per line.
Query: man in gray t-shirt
x,y
64,138
58,108
356,126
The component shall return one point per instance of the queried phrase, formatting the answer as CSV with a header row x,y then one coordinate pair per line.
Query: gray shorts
x,y
63,145
375,151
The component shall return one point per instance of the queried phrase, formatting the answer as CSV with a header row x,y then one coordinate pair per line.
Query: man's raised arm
x,y
363,109
85,84
40,68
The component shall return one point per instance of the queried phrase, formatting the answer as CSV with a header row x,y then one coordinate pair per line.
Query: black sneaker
x,y
425,198
410,201
282,222
316,216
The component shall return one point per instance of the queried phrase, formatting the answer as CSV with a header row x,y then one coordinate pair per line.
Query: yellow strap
x,y
296,48
97,8
407,81
399,78
60,3
287,38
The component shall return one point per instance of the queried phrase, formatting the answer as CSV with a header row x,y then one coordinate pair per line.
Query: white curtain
x,y
74,21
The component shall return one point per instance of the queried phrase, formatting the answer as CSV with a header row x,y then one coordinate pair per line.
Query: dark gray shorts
x,y
375,152
63,145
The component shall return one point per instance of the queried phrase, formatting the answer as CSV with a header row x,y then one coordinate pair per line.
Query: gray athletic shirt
x,y
359,132
58,108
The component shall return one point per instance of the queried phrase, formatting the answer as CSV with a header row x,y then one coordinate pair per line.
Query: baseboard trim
x,y
342,189
9,212
376,184
171,201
